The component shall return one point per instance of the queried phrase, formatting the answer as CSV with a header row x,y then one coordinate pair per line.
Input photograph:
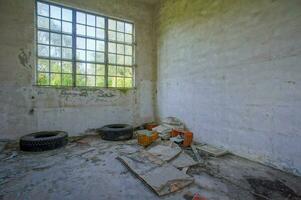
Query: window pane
x,y
55,25
100,57
129,28
67,53
128,82
120,48
120,26
55,66
67,80
80,17
81,80
55,52
91,81
112,35
120,71
100,69
112,58
43,37
100,33
81,43
128,50
100,81
91,56
43,9
55,12
43,50
128,38
128,60
91,44
100,45
67,40
120,82
128,72
43,65
67,14
55,39
90,31
112,47
120,37
90,68
81,68
112,81
112,24
91,20
43,22
120,60
80,54
100,22
112,70
55,79
80,29
43,79
67,67
67,27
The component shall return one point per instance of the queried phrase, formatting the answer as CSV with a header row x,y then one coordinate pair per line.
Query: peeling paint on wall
x,y
24,58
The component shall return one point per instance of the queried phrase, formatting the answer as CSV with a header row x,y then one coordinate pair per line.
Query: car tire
x,y
117,132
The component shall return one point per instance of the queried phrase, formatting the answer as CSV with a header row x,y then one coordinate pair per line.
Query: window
x,y
80,49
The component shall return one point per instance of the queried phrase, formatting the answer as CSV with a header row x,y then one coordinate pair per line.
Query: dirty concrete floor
x,y
87,169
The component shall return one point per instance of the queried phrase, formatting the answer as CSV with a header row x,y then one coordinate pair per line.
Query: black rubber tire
x,y
117,132
43,141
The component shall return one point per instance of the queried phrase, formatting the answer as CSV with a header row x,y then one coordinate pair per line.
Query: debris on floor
x,y
211,150
146,137
183,160
167,125
150,126
165,150
186,136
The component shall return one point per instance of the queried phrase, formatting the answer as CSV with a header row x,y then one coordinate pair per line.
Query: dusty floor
x,y
87,169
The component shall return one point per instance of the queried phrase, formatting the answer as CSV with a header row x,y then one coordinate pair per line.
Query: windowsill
x,y
84,88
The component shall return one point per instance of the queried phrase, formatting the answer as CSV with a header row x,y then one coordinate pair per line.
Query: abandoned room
x,y
150,99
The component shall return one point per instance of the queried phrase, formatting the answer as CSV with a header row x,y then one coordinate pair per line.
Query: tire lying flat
x,y
117,132
43,141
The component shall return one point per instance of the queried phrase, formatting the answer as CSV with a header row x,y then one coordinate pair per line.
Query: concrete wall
x,y
231,71
25,108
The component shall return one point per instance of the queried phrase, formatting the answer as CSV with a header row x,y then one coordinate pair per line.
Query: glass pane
x,y
67,80
43,50
120,37
55,39
128,82
55,25
128,50
55,79
100,22
80,43
120,26
112,70
112,35
43,79
91,20
120,82
67,41
43,37
100,57
112,58
112,47
55,66
80,29
120,71
67,67
43,9
129,28
100,69
100,45
80,80
120,48
43,22
90,68
100,33
81,68
80,54
43,65
90,31
67,53
55,52
91,56
67,14
55,12
100,81
112,24
128,60
91,81
120,60
91,44
128,38
112,81
67,27
80,17
128,72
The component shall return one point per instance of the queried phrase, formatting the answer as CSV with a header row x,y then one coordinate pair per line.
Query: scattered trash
x,y
146,137
187,137
211,150
196,153
165,151
150,126
183,160
173,123
163,131
198,197
14,154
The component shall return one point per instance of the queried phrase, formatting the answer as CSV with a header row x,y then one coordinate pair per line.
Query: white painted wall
x,y
231,71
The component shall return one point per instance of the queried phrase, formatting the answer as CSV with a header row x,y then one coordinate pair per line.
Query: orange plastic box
x,y
186,135
146,138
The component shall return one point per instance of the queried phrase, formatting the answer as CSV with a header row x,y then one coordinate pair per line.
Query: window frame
x,y
74,36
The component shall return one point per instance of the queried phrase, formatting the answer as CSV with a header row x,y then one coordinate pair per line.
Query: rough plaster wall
x,y
231,71
25,108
